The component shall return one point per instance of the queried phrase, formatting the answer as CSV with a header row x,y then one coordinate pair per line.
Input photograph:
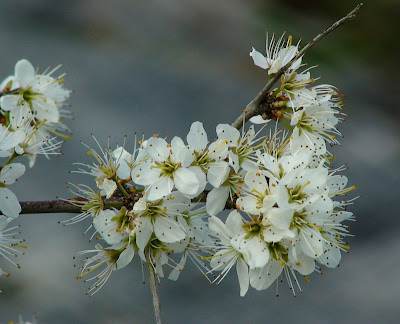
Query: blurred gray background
x,y
156,66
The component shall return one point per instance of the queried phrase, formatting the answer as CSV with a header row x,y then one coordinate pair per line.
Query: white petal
x,y
9,204
167,230
123,157
175,204
186,181
158,149
180,152
201,178
217,173
248,165
234,224
6,81
140,206
144,174
24,72
275,67
270,163
259,59
273,234
243,276
143,233
256,181
311,242
9,102
216,200
218,227
281,217
180,246
261,279
107,228
218,150
234,161
20,116
249,204
337,183
303,264
259,120
125,257
197,137
331,256
162,187
3,222
11,172
46,110
174,275
257,251
229,133
108,187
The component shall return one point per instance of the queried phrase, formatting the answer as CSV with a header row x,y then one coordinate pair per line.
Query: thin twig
x,y
153,287
49,206
61,206
252,107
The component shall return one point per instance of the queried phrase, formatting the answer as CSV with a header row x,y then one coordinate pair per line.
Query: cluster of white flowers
x,y
164,197
31,111
30,120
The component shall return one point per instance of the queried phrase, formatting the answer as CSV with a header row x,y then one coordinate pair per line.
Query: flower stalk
x,y
153,288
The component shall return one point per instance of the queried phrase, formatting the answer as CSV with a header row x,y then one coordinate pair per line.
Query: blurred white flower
x,y
41,93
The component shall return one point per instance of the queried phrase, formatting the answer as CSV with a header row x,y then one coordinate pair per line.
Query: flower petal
x,y
9,204
162,187
234,224
261,279
11,172
259,59
24,72
197,137
217,173
125,257
186,181
143,233
216,200
281,217
243,276
168,230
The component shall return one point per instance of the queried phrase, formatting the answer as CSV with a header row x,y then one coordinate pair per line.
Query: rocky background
x,y
156,66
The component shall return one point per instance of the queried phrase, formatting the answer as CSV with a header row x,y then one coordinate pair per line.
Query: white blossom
x,y
226,255
208,160
41,93
113,258
277,55
168,167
